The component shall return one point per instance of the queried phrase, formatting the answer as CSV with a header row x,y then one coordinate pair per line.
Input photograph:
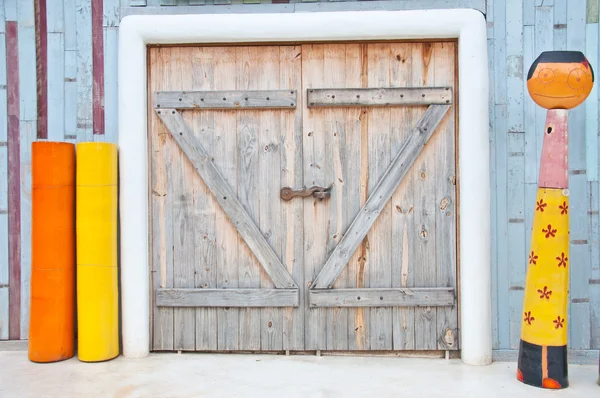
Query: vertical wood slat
x,y
83,42
248,127
425,177
14,182
333,129
202,76
315,212
111,96
591,103
41,35
403,235
446,201
4,264
355,192
269,165
292,212
54,101
379,259
162,231
225,147
98,66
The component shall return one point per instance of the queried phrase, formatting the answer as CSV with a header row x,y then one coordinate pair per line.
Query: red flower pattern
x,y
545,293
528,317
558,322
533,258
564,208
549,232
562,260
541,205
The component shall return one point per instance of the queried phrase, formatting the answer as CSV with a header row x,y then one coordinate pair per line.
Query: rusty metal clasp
x,y
288,193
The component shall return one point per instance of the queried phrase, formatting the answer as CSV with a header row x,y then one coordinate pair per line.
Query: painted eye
x,y
577,79
546,75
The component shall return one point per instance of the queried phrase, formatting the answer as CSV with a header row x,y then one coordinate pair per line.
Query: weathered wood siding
x,y
518,30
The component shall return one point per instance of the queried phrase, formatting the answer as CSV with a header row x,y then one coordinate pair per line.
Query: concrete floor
x,y
207,375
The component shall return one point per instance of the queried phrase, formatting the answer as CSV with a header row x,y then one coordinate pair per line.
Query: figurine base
x,y
543,366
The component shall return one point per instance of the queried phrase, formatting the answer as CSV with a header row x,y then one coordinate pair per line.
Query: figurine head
x,y
560,79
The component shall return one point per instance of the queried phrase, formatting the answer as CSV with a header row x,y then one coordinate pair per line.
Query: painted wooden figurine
x,y
557,81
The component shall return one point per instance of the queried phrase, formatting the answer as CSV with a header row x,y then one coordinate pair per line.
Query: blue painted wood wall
x,y
518,30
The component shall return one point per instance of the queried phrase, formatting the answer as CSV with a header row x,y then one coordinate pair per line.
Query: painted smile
x,y
553,96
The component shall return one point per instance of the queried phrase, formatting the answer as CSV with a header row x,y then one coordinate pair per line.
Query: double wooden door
x,y
237,268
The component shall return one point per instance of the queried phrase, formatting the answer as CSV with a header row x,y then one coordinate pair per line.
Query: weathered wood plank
x,y
205,206
234,297
111,95
269,166
55,80
425,176
41,47
292,223
184,319
382,297
226,198
380,195
388,96
162,197
445,201
333,130
84,70
316,213
379,235
402,253
355,186
591,103
224,154
98,67
248,65
226,99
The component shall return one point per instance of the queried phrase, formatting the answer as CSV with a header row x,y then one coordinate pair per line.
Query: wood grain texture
x,y
384,96
403,233
83,22
425,177
224,159
248,128
380,195
41,47
379,231
316,213
55,91
444,147
382,297
98,66
226,99
226,198
231,297
161,199
14,181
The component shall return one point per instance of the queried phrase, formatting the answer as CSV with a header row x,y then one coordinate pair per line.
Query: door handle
x,y
288,193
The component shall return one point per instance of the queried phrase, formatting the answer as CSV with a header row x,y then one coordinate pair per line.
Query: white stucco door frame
x,y
136,32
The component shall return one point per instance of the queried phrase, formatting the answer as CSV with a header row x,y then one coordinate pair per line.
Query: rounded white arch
x,y
137,31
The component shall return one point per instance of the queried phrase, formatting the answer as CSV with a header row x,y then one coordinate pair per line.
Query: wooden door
x,y
235,267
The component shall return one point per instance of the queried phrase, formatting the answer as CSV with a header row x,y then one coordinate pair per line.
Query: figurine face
x,y
560,79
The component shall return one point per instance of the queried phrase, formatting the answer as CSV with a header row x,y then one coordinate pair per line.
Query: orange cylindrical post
x,y
51,324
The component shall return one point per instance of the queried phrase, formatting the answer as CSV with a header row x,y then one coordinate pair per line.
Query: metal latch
x,y
288,193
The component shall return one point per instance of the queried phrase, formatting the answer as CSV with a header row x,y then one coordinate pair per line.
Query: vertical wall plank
x,y
591,104
111,12
84,69
111,98
55,100
594,282
98,66
248,127
380,239
14,182
41,36
560,25
4,237
544,20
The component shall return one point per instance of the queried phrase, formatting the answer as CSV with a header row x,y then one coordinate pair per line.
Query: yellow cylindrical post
x,y
97,277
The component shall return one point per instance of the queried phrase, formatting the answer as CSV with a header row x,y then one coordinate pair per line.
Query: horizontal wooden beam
x,y
225,99
395,297
328,97
227,297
